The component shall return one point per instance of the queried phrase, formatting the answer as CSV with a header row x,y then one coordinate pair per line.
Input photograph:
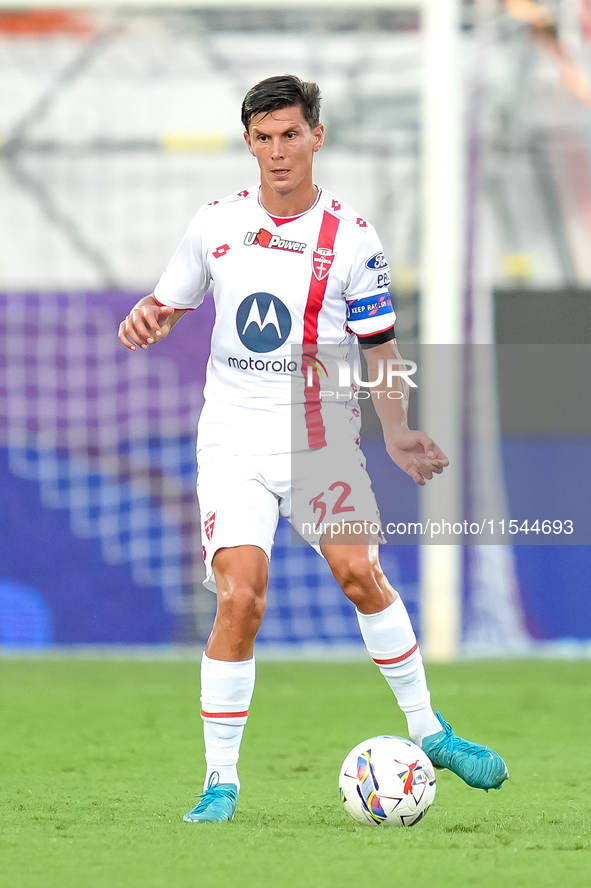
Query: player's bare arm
x,y
148,323
413,451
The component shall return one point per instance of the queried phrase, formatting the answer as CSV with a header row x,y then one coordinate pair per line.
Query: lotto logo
x,y
243,193
221,251
361,222
336,205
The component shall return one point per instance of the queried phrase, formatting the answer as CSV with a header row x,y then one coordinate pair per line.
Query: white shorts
x,y
242,497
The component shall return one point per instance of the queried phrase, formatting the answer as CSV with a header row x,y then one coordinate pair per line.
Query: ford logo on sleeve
x,y
377,262
263,322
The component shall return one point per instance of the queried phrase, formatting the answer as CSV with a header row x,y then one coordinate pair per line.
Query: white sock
x,y
226,692
391,643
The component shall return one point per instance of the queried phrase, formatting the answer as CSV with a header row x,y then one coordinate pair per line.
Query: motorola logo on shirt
x,y
263,322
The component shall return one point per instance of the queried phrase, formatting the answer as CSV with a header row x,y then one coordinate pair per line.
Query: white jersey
x,y
283,288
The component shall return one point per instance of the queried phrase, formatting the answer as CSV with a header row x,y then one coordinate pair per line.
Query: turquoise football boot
x,y
217,803
478,766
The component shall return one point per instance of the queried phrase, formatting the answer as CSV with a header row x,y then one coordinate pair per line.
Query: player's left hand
x,y
416,454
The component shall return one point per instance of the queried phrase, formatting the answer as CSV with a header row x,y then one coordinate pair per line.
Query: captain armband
x,y
374,339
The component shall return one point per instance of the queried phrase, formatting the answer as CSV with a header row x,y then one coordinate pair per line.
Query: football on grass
x,y
387,781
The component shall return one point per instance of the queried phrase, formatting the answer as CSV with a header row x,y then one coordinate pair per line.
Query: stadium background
x,y
116,126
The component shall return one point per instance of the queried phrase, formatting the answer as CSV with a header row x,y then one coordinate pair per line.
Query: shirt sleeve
x,y
369,306
374,339
186,279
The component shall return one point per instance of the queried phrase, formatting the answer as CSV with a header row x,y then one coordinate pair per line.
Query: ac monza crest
x,y
209,524
322,260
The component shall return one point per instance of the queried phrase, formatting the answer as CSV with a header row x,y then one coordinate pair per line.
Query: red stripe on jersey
x,y
283,220
224,714
314,423
374,332
396,659
162,305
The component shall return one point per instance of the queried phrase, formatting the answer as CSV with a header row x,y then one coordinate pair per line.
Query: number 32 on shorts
x,y
339,505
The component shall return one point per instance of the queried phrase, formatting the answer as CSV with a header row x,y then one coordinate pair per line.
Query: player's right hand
x,y
146,324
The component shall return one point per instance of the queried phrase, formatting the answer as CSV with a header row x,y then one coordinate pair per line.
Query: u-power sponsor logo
x,y
264,238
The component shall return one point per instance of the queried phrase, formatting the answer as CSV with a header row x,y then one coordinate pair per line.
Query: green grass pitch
x,y
100,760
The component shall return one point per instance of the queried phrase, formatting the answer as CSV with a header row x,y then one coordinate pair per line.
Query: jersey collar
x,y
282,220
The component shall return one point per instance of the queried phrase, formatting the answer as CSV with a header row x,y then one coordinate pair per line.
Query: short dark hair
x,y
282,92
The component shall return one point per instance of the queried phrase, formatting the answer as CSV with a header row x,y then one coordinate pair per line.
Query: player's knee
x,y
242,605
357,571
364,583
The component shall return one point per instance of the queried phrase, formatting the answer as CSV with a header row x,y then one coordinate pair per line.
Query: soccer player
x,y
293,270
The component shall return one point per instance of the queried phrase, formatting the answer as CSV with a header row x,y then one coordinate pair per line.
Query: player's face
x,y
284,146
